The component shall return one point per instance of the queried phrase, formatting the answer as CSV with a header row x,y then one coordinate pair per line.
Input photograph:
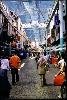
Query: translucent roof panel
x,y
32,11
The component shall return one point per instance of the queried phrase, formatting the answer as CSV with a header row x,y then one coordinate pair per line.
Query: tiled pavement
x,y
29,86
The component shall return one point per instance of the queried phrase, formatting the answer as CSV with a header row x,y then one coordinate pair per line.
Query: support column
x,y
46,39
10,48
61,23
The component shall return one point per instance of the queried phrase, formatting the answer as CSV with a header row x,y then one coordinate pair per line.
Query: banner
x,y
56,19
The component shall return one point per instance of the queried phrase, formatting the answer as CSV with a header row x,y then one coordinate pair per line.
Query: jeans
x,y
14,73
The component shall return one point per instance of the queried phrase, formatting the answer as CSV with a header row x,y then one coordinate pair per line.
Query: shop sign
x,y
56,19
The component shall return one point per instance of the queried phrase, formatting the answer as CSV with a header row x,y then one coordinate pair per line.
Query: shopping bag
x,y
59,80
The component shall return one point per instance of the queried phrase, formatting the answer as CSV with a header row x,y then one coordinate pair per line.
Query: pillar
x,y
61,23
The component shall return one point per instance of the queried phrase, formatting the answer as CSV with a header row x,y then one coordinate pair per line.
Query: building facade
x,y
11,29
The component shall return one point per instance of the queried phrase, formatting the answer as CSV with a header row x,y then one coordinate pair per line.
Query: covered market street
x,y
29,85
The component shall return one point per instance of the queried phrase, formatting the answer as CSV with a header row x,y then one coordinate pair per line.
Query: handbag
x,y
59,80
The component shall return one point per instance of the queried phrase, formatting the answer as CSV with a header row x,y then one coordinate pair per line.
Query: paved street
x,y
29,86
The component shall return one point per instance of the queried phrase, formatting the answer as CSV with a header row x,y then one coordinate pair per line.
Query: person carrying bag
x,y
60,76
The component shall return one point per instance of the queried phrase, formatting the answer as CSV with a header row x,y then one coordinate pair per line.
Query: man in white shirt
x,y
61,62
4,83
4,65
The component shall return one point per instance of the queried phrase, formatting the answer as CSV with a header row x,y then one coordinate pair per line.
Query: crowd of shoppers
x,y
13,62
44,60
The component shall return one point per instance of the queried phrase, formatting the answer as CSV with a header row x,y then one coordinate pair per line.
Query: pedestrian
x,y
42,68
61,62
48,57
61,71
14,64
4,65
4,83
